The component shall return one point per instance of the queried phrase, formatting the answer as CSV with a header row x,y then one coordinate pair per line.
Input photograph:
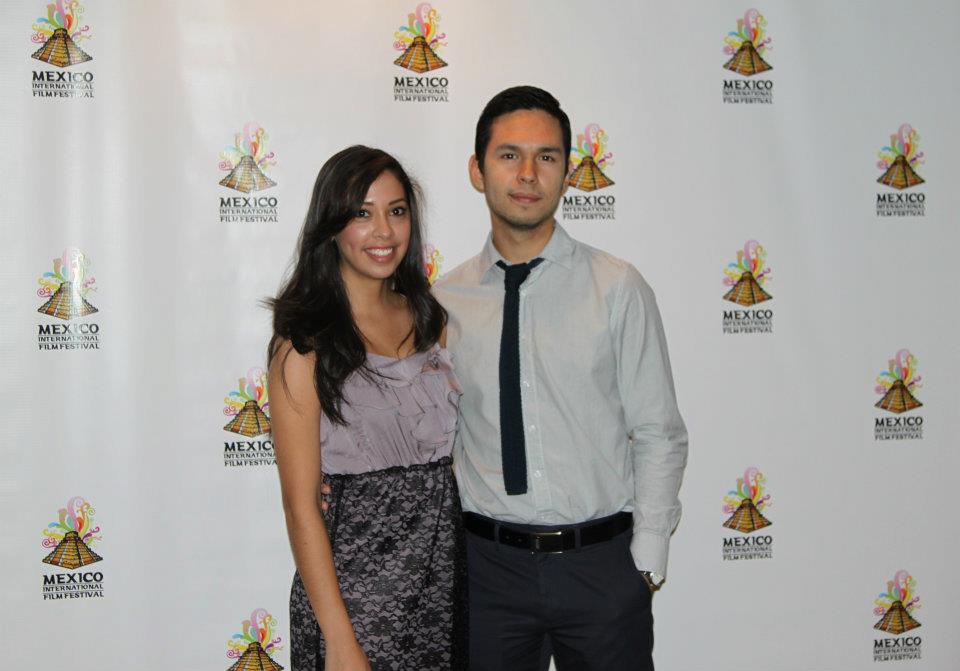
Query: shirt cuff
x,y
650,551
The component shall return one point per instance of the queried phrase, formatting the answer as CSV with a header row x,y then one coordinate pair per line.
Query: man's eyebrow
x,y
545,149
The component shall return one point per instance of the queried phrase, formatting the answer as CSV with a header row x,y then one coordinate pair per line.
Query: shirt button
x,y
536,474
525,383
533,427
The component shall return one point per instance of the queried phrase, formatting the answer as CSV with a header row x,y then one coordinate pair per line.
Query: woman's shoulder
x,y
291,370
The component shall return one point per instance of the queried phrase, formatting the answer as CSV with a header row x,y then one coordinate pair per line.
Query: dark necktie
x,y
512,443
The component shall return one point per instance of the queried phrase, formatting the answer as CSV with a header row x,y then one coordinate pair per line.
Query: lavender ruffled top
x,y
406,416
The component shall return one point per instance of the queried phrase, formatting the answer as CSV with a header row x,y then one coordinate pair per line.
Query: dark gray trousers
x,y
590,607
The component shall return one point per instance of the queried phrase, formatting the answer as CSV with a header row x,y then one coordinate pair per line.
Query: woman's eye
x,y
362,213
398,211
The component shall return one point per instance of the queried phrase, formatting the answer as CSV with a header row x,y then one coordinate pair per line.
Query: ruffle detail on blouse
x,y
422,391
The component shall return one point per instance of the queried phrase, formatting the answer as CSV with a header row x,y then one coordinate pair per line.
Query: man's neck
x,y
520,245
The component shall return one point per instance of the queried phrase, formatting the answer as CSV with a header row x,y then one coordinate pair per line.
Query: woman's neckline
x,y
412,354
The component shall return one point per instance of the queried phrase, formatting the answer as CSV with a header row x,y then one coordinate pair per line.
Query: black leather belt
x,y
559,540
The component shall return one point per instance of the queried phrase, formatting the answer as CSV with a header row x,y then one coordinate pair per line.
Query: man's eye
x,y
508,155
548,157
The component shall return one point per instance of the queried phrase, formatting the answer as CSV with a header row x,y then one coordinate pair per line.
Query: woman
x,y
362,387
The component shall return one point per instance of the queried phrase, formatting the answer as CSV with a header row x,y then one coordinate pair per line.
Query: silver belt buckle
x,y
539,535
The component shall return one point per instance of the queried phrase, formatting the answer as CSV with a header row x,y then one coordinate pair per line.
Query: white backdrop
x,y
127,172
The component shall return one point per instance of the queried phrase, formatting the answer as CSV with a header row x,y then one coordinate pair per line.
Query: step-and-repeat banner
x,y
783,175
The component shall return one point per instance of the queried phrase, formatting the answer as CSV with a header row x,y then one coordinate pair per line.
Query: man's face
x,y
524,169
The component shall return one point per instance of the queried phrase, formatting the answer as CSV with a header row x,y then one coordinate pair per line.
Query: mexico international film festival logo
x,y
252,646
746,278
746,47
247,406
68,541
246,163
65,292
744,505
59,35
588,160
895,608
899,161
419,41
431,263
896,387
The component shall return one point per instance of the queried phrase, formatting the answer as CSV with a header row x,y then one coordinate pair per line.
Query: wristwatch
x,y
654,580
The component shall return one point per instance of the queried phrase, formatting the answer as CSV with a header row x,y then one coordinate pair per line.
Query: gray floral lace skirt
x,y
399,553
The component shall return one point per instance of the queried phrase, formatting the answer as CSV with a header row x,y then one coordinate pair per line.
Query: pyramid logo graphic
x,y
247,159
419,57
746,276
67,303
747,44
72,553
588,158
71,535
67,286
419,40
747,291
899,159
250,421
247,177
747,61
896,620
900,175
896,605
588,177
252,646
58,34
746,501
897,383
898,399
61,50
248,405
255,658
747,518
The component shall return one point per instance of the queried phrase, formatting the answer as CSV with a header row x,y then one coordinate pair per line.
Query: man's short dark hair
x,y
511,100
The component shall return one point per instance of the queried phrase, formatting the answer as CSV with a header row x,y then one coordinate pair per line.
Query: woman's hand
x,y
326,490
347,658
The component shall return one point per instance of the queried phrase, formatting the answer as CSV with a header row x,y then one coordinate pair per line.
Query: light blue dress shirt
x,y
602,430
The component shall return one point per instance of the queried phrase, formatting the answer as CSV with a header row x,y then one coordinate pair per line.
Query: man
x,y
571,448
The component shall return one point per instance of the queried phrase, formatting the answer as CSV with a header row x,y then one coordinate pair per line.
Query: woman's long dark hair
x,y
312,310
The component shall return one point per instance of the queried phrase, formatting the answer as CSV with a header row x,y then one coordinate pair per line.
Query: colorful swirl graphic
x,y
902,588
423,22
750,259
251,142
74,267
750,486
902,367
61,15
431,263
251,388
751,28
76,516
902,143
591,142
260,628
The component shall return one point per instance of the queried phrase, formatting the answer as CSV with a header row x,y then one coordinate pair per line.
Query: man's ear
x,y
476,175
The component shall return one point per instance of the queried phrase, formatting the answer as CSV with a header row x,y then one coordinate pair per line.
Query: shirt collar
x,y
559,250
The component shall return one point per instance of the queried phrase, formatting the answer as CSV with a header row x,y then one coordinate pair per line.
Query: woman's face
x,y
376,239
